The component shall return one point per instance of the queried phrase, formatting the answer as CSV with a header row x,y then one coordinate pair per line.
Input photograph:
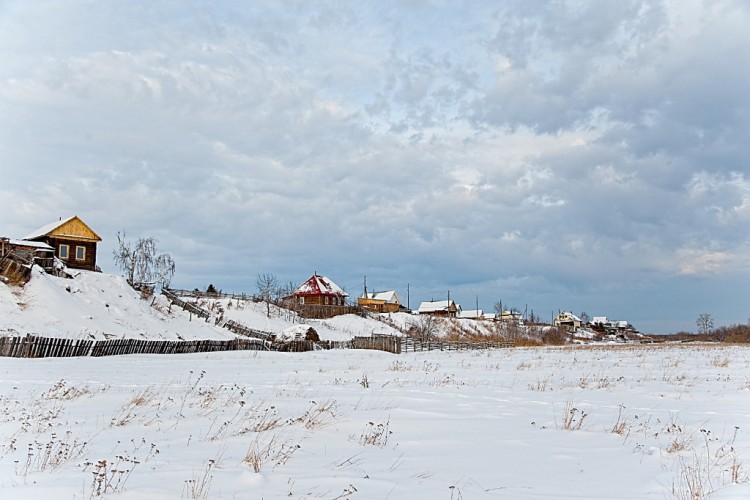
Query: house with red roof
x,y
319,297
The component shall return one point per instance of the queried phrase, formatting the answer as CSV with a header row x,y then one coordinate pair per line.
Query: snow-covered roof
x,y
599,320
567,316
320,285
44,230
78,227
471,314
435,306
32,244
389,296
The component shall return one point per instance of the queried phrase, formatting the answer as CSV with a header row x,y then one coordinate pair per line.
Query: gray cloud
x,y
556,155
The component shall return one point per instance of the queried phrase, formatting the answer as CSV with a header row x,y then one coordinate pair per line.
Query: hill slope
x,y
100,306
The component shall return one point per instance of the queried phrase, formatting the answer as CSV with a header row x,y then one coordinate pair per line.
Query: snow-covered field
x,y
594,422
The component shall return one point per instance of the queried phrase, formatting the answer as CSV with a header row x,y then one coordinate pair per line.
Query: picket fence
x,y
32,346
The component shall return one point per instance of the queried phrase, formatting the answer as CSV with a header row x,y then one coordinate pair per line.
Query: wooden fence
x,y
386,343
187,306
414,345
32,346
241,329
212,295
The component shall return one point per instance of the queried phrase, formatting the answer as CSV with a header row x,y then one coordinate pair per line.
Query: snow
x,y
367,424
526,423
30,244
100,306
93,305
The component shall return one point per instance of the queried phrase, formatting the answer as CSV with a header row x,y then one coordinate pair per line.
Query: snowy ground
x,y
627,422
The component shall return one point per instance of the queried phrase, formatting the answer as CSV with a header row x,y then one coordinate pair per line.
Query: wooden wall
x,y
89,263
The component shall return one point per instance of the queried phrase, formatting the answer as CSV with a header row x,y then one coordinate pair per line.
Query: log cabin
x,y
73,242
446,308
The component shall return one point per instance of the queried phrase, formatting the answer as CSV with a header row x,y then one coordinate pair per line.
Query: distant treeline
x,y
735,334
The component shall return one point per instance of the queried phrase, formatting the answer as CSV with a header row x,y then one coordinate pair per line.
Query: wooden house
x,y
472,314
447,308
568,320
72,240
382,302
319,297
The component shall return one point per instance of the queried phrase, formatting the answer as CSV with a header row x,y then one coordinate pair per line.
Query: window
x,y
302,300
326,300
64,250
80,253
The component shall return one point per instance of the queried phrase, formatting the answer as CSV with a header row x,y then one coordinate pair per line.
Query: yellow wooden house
x,y
72,240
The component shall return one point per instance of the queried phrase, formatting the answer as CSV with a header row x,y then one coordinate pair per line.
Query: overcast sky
x,y
555,155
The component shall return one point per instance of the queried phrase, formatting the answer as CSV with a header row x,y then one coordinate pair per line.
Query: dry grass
x,y
572,417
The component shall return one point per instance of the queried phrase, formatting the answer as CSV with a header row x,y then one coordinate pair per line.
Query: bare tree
x,y
268,289
705,322
424,327
584,317
499,309
142,265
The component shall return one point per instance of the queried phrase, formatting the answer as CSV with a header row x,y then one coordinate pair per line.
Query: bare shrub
x,y
572,418
622,425
199,486
376,434
110,477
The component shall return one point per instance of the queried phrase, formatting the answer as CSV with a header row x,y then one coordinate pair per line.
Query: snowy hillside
x,y
101,306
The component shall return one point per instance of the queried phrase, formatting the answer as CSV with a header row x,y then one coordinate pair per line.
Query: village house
x,y
72,241
446,308
511,316
382,302
318,297
568,320
471,314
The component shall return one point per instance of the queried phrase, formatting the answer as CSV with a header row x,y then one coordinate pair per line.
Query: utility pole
x,y
408,299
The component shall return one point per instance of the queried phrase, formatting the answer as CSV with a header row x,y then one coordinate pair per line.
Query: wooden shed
x,y
73,241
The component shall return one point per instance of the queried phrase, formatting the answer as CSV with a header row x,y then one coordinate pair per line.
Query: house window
x,y
326,300
64,250
80,253
302,300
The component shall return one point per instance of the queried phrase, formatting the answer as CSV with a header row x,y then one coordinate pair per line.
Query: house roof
x,y
319,285
388,297
471,314
30,244
72,227
435,306
567,316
